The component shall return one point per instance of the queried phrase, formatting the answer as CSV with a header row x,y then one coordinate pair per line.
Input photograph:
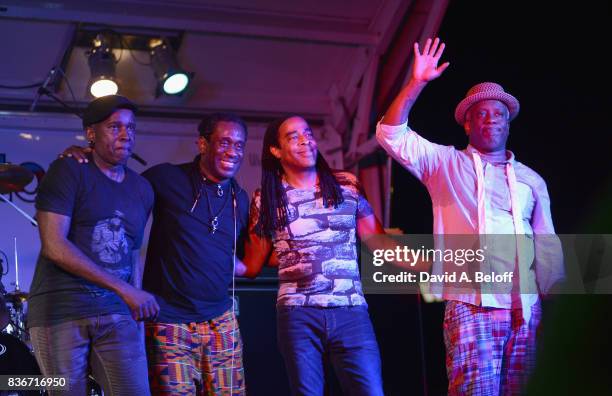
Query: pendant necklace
x,y
214,218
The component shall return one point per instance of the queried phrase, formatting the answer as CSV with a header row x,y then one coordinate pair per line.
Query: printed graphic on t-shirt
x,y
317,251
110,244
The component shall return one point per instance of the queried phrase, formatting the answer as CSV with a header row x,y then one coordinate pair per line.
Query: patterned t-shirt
x,y
317,251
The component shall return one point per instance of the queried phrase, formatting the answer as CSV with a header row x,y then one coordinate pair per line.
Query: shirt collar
x,y
492,159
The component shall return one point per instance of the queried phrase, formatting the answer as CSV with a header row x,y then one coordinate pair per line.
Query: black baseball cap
x,y
100,109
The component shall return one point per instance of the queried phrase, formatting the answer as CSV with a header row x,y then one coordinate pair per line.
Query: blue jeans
x,y
309,337
110,346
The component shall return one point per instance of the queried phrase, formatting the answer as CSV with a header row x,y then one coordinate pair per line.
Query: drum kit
x,y
13,178
12,314
16,353
16,356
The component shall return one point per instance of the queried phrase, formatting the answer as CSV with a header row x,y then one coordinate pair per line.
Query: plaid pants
x,y
489,351
195,358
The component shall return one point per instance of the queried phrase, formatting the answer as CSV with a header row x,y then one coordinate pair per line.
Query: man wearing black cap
x,y
85,294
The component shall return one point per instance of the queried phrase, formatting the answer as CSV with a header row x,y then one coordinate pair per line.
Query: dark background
x,y
553,57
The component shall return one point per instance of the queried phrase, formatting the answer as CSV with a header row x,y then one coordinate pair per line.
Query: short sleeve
x,y
243,220
149,196
58,189
363,206
147,199
243,209
150,176
350,183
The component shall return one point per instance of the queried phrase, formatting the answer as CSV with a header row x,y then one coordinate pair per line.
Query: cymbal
x,y
13,178
16,296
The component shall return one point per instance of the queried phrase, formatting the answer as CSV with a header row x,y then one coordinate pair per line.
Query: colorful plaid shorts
x,y
489,351
196,358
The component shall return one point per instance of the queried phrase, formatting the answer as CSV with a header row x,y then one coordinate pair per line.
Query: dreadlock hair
x,y
209,123
273,214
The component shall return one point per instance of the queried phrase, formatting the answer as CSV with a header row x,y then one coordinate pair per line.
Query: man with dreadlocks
x,y
310,218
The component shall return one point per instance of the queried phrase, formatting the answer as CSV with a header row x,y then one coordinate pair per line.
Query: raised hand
x,y
425,67
77,152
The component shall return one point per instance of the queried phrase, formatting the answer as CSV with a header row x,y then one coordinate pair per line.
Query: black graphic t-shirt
x,y
107,224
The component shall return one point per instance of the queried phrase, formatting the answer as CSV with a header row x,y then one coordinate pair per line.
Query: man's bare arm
x,y
257,251
56,247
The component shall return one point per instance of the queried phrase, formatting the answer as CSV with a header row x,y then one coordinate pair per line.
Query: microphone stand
x,y
24,214
45,91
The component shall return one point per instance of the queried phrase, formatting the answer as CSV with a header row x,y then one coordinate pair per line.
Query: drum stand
x,y
14,308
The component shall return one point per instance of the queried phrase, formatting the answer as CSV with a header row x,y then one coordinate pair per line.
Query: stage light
x,y
171,78
103,87
102,67
176,83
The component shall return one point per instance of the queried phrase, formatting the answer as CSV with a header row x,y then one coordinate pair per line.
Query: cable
x,y
124,42
21,86
58,100
67,83
233,294
7,264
